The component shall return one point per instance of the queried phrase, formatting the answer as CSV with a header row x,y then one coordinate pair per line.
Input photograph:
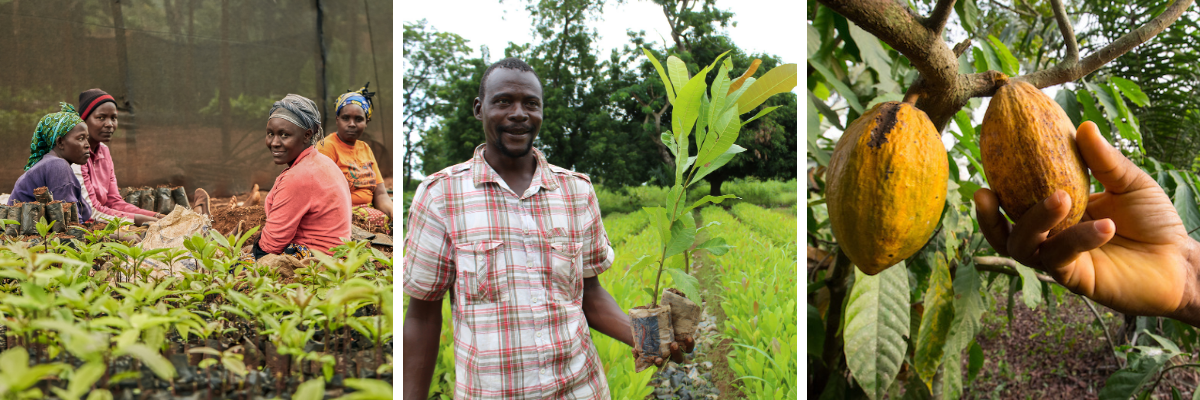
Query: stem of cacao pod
x,y
833,353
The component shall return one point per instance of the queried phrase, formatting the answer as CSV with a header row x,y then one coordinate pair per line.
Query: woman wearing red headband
x,y
99,112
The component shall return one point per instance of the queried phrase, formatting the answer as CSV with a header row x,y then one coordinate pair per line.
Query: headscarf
x,y
302,112
361,97
51,128
91,99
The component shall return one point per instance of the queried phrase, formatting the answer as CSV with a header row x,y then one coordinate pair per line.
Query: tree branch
x,y
1068,33
1064,72
937,19
1005,266
899,27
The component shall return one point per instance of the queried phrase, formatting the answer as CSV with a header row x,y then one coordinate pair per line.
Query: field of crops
x,y
82,319
747,347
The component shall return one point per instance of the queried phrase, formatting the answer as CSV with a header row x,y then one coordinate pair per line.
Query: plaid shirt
x,y
515,265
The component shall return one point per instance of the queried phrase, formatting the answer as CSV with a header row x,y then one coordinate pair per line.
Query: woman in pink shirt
x,y
99,112
308,208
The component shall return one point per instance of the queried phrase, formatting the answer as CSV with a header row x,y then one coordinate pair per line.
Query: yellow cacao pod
x,y
1029,151
887,185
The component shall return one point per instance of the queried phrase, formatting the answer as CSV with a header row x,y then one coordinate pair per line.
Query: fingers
x,y
1065,247
1029,233
1108,165
995,228
676,355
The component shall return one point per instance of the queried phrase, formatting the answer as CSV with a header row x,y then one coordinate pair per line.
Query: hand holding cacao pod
x,y
1130,252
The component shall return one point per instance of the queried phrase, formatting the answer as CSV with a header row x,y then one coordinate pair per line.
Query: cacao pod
x,y
887,185
1029,152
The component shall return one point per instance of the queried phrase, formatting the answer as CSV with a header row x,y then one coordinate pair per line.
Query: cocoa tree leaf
x,y
662,74
817,105
914,389
838,86
1131,91
311,390
780,79
968,309
1091,113
721,160
974,361
683,234
874,56
1031,287
935,322
685,283
1010,65
877,321
1066,99
1143,365
968,14
1110,106
716,246
816,332
677,69
1184,200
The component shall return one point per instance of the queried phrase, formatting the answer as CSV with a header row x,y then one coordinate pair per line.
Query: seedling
x,y
712,116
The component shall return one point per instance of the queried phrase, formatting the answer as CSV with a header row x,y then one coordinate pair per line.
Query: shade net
x,y
193,79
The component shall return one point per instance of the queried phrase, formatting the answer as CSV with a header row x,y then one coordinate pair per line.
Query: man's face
x,y
511,111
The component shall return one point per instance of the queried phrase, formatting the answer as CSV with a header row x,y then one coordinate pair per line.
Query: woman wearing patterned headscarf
x,y
98,110
308,208
60,139
371,205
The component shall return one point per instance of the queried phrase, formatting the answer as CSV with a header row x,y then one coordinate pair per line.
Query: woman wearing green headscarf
x,y
59,140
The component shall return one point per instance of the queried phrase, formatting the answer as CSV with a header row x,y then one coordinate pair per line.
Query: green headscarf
x,y
51,128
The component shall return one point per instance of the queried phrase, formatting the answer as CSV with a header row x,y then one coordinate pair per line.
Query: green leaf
x,y
152,359
687,284
873,54
975,361
662,74
1010,65
368,389
1131,91
1184,200
721,160
841,88
716,246
1031,287
968,13
310,390
780,79
683,235
877,320
990,57
816,332
679,74
935,322
1067,100
825,111
1091,113
761,113
968,309
84,377
1142,366
100,394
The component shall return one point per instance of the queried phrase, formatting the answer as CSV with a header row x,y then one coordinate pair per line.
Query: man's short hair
x,y
508,63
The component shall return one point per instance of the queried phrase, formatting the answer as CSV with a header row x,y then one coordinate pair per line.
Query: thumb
x,y
1107,164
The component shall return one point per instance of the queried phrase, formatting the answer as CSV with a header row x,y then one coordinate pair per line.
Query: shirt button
x,y
539,334
535,300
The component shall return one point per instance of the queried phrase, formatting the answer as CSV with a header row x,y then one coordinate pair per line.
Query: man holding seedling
x,y
517,244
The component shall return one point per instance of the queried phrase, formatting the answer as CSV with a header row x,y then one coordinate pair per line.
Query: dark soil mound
x,y
225,220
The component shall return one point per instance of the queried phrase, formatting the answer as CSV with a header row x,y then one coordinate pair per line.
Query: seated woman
x,y
61,139
368,194
99,111
308,209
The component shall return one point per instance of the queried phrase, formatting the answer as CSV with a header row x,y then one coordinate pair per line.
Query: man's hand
x,y
1130,252
677,349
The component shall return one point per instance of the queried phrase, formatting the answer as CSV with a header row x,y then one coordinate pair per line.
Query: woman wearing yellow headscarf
x,y
368,194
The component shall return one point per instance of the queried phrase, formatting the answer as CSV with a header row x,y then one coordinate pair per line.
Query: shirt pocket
x,y
482,272
566,263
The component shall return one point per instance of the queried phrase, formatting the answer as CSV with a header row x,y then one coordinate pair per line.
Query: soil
x,y
1059,355
226,220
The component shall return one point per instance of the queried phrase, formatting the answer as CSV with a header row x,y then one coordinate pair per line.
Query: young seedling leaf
x,y
780,79
685,283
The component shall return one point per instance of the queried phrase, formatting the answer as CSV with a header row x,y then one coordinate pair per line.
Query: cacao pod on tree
x,y
887,185
1028,148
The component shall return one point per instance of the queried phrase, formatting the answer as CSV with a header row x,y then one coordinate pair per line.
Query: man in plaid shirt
x,y
517,244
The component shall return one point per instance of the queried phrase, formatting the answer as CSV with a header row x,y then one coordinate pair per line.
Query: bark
x,y
941,91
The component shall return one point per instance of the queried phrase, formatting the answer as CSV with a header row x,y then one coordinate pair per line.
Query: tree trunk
x,y
714,184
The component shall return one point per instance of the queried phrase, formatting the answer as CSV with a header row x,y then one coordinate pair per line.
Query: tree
x,y
431,58
863,52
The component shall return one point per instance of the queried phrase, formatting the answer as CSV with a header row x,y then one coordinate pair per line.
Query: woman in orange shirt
x,y
369,199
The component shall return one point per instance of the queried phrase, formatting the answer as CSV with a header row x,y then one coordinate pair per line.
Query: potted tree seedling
x,y
711,116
